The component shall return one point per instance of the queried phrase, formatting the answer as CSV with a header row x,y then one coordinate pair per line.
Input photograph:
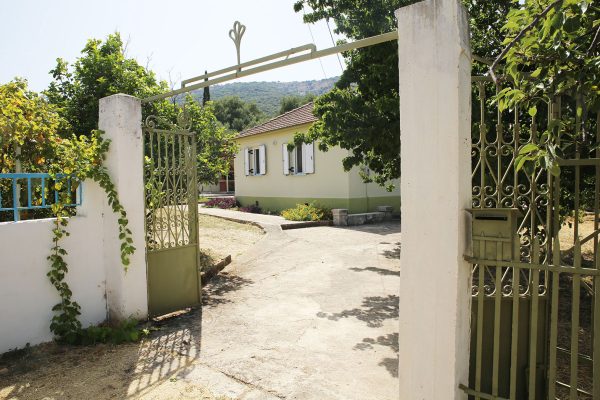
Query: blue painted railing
x,y
36,199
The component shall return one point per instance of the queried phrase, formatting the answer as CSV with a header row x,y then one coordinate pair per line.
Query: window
x,y
255,160
299,161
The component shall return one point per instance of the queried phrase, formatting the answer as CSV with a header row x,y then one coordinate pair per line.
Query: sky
x,y
177,39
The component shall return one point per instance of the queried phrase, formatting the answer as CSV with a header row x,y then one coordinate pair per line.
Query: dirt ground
x,y
145,370
220,237
567,237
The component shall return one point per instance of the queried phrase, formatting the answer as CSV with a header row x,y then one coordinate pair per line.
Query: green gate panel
x,y
524,343
173,280
171,211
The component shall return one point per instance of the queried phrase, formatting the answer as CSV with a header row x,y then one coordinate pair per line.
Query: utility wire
x,y
333,42
313,41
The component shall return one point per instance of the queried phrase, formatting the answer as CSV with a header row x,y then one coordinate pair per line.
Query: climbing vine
x,y
78,159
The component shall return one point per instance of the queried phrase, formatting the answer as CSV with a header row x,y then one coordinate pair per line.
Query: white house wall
x,y
330,185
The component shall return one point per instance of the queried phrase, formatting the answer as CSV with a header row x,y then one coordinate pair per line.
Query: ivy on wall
x,y
82,158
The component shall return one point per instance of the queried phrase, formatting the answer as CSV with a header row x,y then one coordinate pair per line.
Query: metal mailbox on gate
x,y
495,233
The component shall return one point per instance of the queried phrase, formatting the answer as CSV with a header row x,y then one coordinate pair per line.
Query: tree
x,y
361,113
102,70
215,144
237,114
486,19
289,103
28,122
553,50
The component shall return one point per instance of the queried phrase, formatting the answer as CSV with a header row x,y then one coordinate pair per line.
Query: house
x,y
267,174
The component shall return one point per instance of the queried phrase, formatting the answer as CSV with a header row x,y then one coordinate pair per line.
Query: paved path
x,y
305,314
266,221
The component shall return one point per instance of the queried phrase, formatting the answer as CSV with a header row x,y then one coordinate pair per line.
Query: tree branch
x,y
595,41
519,36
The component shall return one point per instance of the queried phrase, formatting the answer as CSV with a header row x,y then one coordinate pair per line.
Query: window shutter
x,y
286,159
246,162
262,159
309,158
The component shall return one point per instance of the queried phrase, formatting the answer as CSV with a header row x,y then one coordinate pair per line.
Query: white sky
x,y
179,37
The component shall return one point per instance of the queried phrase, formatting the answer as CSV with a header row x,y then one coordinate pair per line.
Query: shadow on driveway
x,y
374,311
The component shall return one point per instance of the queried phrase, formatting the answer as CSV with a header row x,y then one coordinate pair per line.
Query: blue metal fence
x,y
40,192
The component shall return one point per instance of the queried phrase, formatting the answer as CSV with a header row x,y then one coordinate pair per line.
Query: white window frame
x,y
255,160
290,158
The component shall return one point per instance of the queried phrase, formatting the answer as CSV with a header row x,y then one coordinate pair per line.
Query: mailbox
x,y
494,233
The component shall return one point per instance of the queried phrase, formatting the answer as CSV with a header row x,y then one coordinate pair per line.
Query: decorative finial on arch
x,y
236,35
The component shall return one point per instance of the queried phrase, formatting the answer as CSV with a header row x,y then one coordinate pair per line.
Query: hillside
x,y
267,95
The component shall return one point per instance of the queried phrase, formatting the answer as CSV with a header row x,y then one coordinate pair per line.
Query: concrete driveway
x,y
305,314
302,314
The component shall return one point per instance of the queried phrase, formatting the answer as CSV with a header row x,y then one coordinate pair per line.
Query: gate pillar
x,y
435,126
120,118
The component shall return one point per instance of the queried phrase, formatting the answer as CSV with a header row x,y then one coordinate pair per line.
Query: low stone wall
x,y
342,218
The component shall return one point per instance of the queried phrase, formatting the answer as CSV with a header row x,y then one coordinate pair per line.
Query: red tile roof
x,y
297,116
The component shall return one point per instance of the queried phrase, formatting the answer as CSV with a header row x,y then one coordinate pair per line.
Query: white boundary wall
x,y
26,294
435,133
95,274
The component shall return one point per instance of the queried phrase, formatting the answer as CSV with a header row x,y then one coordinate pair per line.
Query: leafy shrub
x,y
125,332
251,209
221,202
307,212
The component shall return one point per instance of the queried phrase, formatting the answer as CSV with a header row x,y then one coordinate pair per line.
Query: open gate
x,y
171,216
536,262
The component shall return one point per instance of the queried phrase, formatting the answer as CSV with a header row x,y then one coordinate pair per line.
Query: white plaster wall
x,y
435,115
26,294
120,118
328,181
96,276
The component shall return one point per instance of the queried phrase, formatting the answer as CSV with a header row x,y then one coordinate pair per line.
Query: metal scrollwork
x,y
236,35
170,183
497,184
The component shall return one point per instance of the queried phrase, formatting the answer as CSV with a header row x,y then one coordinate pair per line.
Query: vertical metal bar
x,y
159,205
596,304
43,191
515,333
174,184
514,349
497,311
553,112
68,179
482,145
533,203
577,265
15,200
29,191
56,190
575,321
534,320
152,173
499,131
479,339
517,139
193,201
184,208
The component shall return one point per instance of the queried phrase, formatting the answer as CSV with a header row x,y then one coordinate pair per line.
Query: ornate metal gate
x,y
171,198
535,314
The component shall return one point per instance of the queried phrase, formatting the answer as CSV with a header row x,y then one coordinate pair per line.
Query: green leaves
x,y
533,156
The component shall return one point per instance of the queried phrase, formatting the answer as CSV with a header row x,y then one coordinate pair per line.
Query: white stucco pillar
x,y
435,117
120,118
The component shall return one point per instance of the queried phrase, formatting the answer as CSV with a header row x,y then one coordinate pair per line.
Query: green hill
x,y
268,95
